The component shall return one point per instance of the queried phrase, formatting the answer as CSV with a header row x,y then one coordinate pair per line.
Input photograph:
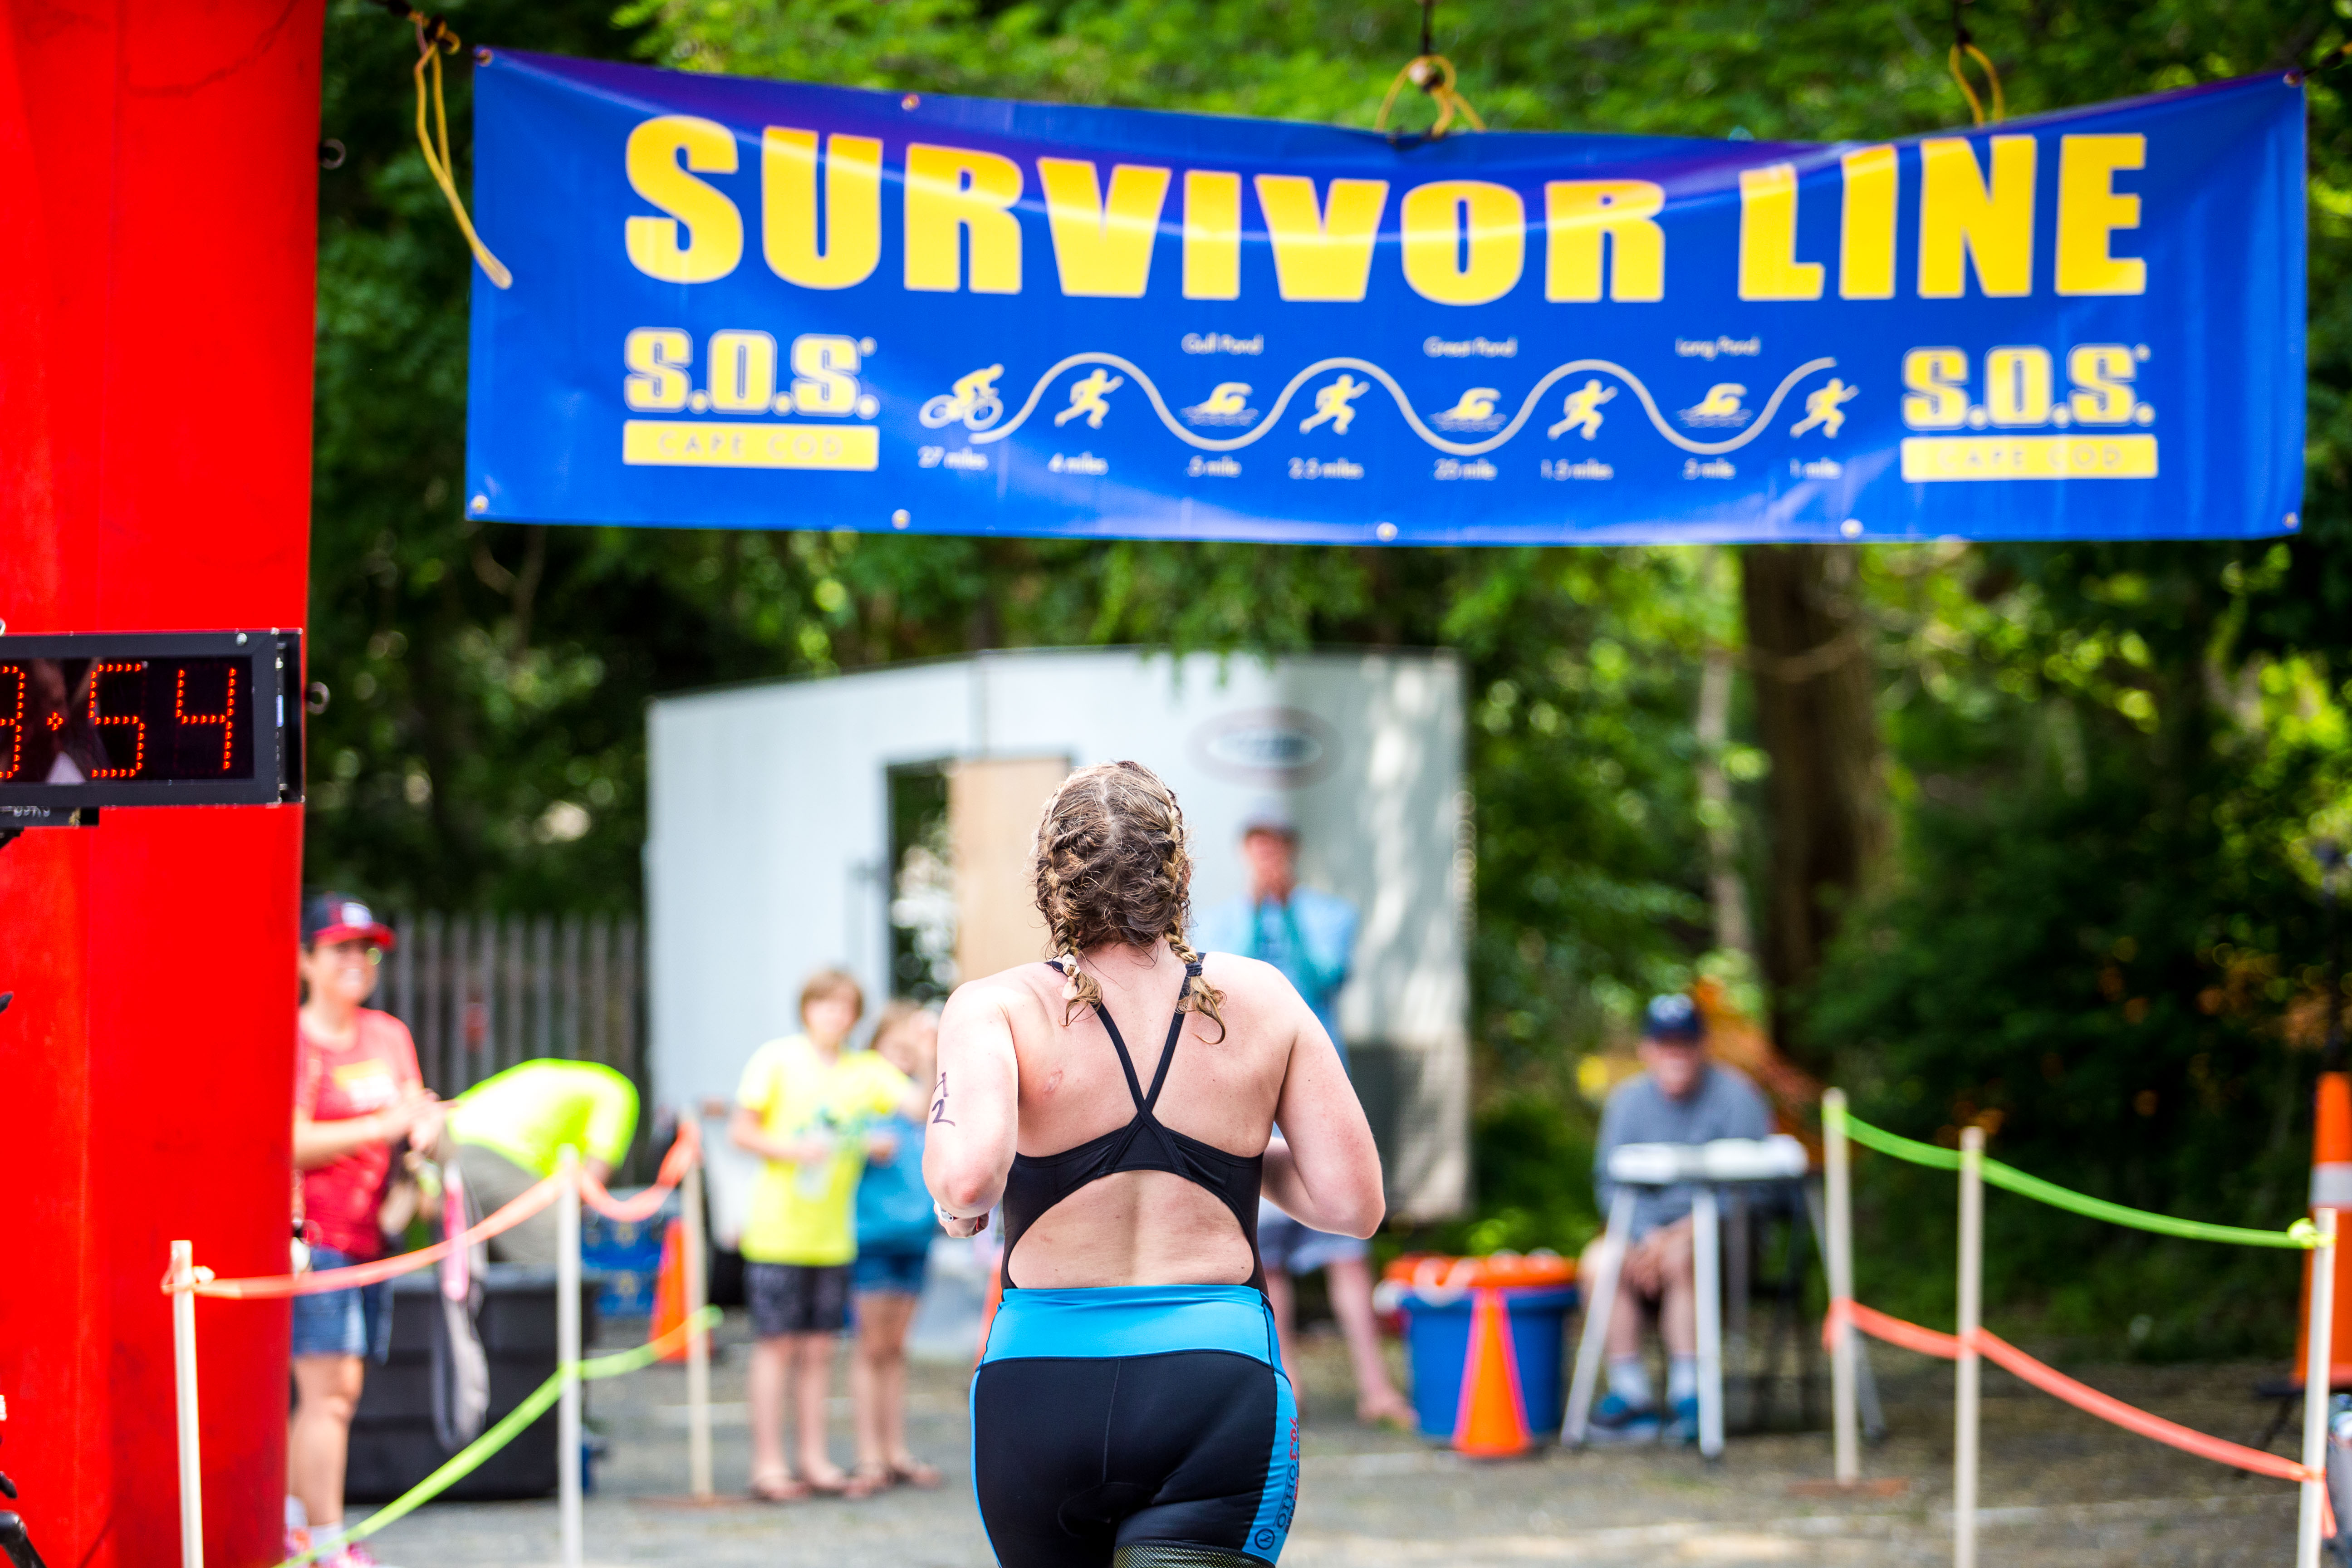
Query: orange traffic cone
x,y
1491,1422
670,1287
2331,1187
988,1305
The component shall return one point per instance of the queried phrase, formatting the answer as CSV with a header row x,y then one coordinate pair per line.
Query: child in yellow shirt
x,y
804,1105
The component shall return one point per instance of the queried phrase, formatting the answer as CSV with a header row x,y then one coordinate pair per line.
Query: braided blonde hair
x,y
1112,867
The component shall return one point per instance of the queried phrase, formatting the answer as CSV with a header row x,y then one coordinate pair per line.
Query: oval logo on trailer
x,y
1280,746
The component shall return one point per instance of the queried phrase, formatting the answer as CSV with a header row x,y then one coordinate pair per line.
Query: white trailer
x,y
774,848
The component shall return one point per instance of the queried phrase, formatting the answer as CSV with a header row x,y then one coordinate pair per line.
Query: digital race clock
x,y
148,719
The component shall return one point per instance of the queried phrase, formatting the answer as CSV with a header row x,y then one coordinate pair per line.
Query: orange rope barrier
x,y
686,1151
2107,1407
1894,1330
275,1285
683,1152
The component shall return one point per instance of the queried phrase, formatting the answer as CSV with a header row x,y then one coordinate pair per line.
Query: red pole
x,y
156,269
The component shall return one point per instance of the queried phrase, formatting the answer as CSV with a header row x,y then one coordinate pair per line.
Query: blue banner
x,y
754,304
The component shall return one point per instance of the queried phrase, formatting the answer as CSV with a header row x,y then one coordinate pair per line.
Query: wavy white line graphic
x,y
1405,405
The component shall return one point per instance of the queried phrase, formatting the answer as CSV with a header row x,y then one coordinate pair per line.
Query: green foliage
x,y
469,693
2104,759
2100,929
1532,1168
1778,69
1581,757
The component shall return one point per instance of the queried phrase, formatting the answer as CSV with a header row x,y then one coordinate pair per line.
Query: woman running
x,y
1130,1409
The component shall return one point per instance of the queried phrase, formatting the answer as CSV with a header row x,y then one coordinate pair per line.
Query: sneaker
x,y
1614,1420
353,1556
297,1542
1684,1428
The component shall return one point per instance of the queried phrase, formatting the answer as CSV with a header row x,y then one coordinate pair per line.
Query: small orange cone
x,y
1491,1422
670,1287
2331,1187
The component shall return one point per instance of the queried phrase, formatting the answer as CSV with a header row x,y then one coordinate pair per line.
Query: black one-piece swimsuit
x,y
1135,1426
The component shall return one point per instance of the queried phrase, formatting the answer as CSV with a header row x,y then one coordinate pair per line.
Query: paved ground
x,y
2059,1488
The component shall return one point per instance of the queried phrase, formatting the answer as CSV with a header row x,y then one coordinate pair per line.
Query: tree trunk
x,y
1817,719
1726,892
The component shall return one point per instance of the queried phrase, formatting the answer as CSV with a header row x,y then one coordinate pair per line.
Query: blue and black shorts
x,y
1135,1426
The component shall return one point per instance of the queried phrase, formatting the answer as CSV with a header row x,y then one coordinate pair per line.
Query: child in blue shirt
x,y
895,1228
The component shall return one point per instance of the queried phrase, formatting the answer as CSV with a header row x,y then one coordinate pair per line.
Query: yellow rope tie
x,y
1433,74
1993,77
432,39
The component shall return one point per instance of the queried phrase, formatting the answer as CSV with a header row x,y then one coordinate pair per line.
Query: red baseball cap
x,y
333,917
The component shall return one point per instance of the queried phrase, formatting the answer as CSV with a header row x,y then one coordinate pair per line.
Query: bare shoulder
x,y
1247,979
1013,994
1257,990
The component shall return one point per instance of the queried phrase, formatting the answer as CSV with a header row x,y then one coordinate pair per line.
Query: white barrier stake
x,y
1591,1347
1964,1448
1706,1284
698,1339
1846,1439
183,1379
2318,1370
567,1352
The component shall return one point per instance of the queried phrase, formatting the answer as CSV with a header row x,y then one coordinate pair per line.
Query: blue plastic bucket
x,y
1437,1342
628,1254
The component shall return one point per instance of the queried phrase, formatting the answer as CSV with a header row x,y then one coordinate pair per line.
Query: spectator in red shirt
x,y
358,1096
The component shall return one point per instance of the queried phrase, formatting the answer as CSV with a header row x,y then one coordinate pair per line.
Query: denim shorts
x,y
357,1321
898,1271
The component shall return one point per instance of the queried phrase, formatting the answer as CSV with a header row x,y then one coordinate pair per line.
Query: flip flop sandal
x,y
778,1488
874,1478
842,1484
916,1474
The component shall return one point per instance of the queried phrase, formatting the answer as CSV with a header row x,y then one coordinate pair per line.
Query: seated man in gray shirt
x,y
1682,1098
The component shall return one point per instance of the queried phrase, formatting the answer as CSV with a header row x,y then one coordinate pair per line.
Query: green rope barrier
x,y
510,1426
2302,1234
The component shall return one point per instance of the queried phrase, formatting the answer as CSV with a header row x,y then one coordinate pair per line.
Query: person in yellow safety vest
x,y
511,1130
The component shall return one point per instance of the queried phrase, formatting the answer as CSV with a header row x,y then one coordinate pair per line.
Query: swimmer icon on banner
x,y
752,304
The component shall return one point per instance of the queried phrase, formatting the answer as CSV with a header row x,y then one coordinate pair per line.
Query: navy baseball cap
x,y
333,917
1673,1019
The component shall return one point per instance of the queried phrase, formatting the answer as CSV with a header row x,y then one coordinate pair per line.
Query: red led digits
x,y
138,725
129,718
15,722
225,717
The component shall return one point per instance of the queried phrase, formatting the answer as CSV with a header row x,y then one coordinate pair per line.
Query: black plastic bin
x,y
393,1443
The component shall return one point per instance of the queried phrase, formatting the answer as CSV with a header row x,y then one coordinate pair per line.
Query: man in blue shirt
x,y
1310,936
1681,1098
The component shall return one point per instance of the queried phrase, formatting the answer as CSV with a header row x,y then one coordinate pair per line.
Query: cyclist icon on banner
x,y
974,402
